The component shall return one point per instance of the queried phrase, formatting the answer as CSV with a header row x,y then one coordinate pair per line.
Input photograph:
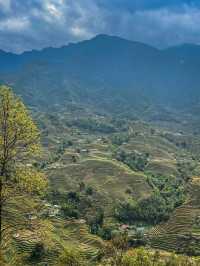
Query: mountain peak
x,y
105,37
102,36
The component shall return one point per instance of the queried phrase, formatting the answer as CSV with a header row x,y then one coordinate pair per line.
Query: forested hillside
x,y
113,70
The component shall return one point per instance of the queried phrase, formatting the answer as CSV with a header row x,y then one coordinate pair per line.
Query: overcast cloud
x,y
35,24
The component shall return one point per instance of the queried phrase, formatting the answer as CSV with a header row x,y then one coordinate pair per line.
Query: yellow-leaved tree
x,y
19,145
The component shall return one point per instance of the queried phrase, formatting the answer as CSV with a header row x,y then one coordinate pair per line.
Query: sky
x,y
35,24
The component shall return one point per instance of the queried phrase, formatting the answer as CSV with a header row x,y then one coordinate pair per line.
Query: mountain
x,y
106,71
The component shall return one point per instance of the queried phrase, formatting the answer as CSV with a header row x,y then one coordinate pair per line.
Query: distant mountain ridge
x,y
106,69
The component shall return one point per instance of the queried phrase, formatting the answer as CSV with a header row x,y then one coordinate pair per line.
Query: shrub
x,y
134,160
70,257
37,253
151,210
70,211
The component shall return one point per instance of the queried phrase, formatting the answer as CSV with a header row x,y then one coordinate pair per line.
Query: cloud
x,y
14,24
163,27
34,24
5,5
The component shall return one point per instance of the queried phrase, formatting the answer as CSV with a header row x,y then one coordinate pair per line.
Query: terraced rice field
x,y
178,234
61,235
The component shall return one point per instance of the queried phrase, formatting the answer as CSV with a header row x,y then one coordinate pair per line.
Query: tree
x,y
70,257
117,248
19,146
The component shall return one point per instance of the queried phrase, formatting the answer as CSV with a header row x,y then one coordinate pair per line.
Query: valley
x,y
121,155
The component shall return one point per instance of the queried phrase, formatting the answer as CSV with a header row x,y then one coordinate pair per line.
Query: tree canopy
x,y
19,146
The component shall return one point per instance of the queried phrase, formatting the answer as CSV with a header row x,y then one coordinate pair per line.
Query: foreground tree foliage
x,y
19,145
